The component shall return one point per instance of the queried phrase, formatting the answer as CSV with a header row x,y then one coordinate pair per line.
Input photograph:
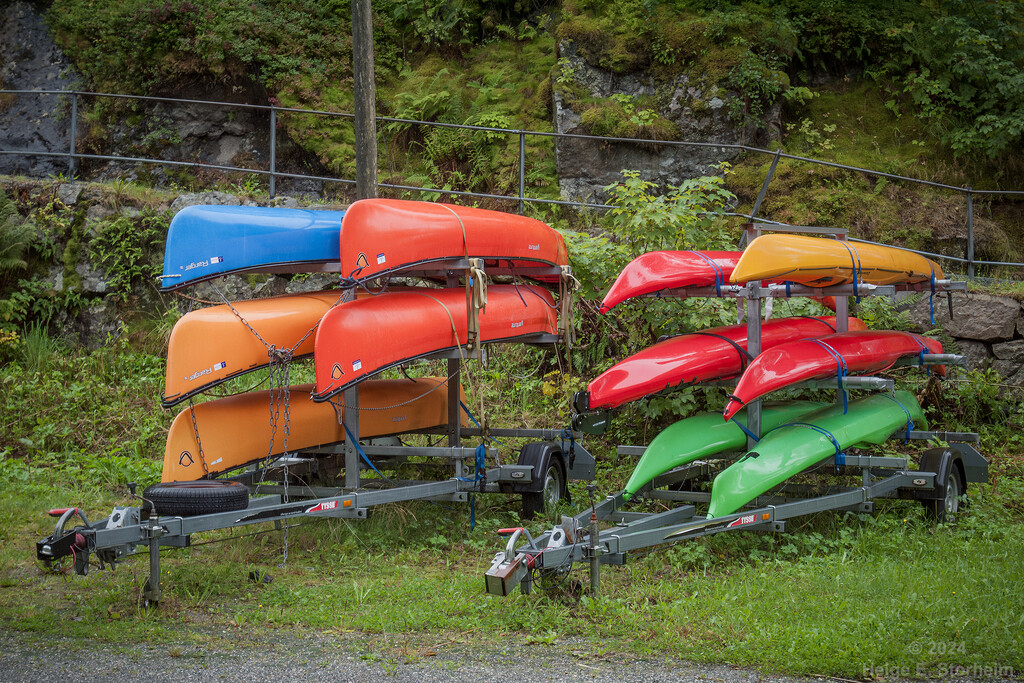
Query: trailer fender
x,y
942,461
540,456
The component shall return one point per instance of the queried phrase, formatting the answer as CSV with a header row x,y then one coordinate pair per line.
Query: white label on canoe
x,y
518,324
380,259
533,247
216,259
357,365
216,462
399,418
219,366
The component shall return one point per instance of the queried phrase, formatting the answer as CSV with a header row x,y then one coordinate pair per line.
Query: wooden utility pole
x,y
365,99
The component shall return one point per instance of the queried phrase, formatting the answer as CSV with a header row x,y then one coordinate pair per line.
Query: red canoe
x,y
384,236
658,270
360,338
806,359
717,353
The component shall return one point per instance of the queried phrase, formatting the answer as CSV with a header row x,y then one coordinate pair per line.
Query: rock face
x,y
988,329
31,61
586,166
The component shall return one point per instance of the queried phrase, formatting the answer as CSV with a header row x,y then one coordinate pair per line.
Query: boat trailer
x,y
548,559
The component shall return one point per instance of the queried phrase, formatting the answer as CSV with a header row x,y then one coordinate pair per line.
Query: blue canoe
x,y
209,241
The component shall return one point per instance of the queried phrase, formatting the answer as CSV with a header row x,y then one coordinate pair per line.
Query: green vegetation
x,y
77,425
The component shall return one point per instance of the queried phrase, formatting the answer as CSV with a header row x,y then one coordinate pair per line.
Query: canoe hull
x,y
358,339
704,435
697,357
658,270
384,236
790,449
822,262
862,351
211,345
204,242
238,431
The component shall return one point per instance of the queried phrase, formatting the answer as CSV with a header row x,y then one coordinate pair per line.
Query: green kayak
x,y
703,435
792,448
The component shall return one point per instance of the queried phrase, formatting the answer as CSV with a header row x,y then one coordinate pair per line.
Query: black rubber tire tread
x,y
936,508
191,498
534,504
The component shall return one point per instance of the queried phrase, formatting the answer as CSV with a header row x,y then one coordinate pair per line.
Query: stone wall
x,y
988,329
585,167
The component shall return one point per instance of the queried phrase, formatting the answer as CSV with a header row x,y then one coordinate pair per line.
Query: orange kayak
x,y
236,431
211,345
384,236
360,338
822,262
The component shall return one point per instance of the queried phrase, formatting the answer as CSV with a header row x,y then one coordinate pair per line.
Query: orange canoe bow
x,y
211,345
383,236
359,338
236,431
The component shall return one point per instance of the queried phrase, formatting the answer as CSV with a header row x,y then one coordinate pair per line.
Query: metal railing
x,y
273,173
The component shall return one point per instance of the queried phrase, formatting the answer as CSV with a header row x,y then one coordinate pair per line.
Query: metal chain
x,y
199,443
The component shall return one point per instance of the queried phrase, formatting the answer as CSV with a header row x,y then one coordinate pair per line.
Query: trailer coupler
x,y
60,544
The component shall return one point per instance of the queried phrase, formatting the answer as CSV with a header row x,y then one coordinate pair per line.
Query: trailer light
x,y
765,516
346,503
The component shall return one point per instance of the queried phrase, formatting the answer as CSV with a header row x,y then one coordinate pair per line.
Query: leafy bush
x,y
964,70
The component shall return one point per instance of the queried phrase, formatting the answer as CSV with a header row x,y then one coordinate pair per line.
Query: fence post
x,y
74,130
764,186
522,171
273,149
970,231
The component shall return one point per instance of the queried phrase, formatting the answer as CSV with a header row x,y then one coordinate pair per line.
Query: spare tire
x,y
203,497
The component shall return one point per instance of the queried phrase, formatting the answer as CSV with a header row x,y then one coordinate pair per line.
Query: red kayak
x,y
844,353
717,353
658,270
384,236
360,338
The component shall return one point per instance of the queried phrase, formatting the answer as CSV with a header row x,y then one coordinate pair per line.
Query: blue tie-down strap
x,y
839,455
479,475
465,409
744,429
571,436
855,261
906,411
841,369
719,275
359,449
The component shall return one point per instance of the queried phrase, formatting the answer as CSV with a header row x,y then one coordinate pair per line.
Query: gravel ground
x,y
24,657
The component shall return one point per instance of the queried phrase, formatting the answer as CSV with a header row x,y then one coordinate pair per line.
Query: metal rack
x,y
128,530
942,476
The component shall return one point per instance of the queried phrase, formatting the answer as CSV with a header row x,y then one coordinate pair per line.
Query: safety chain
x,y
199,443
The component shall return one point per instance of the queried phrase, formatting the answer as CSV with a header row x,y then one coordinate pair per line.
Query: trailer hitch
x,y
61,543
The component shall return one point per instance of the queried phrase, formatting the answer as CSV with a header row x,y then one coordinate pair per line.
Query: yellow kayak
x,y
236,431
822,262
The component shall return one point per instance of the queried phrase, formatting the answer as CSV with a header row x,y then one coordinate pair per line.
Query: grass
x,y
841,593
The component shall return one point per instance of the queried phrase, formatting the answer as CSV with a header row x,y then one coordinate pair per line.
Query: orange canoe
x,y
384,236
211,345
236,431
360,338
822,262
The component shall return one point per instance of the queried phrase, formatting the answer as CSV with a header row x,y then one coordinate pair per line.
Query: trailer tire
x,y
203,497
553,491
945,507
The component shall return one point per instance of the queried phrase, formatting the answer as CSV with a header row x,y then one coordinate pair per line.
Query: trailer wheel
x,y
945,508
203,497
552,492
